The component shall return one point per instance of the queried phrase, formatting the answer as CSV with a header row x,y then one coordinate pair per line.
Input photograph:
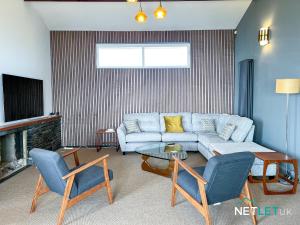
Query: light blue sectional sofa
x,y
153,131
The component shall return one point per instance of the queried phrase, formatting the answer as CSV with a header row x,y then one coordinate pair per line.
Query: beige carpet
x,y
140,198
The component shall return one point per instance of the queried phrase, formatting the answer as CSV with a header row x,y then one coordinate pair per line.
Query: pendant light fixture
x,y
141,16
132,1
160,12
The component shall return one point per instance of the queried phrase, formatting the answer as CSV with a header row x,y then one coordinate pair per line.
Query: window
x,y
119,56
168,55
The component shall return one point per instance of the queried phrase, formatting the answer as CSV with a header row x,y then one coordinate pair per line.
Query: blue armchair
x,y
75,184
222,179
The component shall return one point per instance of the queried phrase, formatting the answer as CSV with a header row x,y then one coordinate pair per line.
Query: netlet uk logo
x,y
269,210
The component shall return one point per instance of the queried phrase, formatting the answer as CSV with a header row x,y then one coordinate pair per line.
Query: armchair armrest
x,y
74,152
84,167
190,170
70,152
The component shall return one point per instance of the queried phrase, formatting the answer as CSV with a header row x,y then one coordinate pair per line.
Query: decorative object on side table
x,y
277,157
106,138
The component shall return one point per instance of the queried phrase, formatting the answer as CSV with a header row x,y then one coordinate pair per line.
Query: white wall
x,y
24,47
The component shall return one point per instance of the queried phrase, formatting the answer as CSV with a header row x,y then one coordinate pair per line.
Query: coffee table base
x,y
166,172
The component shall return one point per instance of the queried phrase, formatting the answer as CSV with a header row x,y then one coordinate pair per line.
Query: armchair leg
x,y
64,204
109,193
36,194
247,194
175,174
107,183
205,208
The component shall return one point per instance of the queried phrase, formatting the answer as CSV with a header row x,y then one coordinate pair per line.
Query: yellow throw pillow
x,y
173,124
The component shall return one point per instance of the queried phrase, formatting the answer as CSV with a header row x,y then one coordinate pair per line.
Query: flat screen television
x,y
23,97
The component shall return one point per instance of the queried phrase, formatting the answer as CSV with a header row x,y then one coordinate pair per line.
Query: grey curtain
x,y
245,97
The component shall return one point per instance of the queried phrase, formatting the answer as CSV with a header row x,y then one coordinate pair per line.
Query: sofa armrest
x,y
250,135
121,132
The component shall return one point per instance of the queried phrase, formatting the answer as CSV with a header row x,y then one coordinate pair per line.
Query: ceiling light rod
x,y
160,12
141,16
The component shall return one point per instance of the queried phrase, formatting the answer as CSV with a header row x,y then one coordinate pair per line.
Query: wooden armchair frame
x,y
202,206
41,187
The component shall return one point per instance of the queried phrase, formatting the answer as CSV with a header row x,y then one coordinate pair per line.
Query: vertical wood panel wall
x,y
89,98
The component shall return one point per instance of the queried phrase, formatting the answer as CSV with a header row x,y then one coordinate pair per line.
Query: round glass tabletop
x,y
162,151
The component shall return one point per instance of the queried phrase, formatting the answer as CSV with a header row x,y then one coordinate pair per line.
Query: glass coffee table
x,y
161,151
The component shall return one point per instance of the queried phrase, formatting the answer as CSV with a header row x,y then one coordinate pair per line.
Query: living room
x,y
149,112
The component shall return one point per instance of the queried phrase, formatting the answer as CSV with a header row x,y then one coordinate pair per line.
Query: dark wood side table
x,y
277,157
102,135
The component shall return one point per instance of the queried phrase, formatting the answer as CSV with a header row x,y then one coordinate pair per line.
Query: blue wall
x,y
279,59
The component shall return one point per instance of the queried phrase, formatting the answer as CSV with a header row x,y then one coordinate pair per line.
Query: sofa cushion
x,y
186,136
173,124
197,117
243,126
186,120
143,137
221,121
227,131
207,125
148,122
132,126
207,138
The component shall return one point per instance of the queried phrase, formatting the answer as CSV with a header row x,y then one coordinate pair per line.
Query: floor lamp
x,y
287,86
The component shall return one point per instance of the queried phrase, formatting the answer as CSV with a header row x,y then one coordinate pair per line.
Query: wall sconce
x,y
264,36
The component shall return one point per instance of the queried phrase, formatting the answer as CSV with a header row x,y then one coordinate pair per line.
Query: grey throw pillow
x,y
227,131
132,126
207,125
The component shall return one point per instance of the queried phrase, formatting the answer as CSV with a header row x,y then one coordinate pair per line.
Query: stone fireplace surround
x,y
17,138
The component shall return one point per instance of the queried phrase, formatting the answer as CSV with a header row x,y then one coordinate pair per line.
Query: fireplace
x,y
13,153
17,138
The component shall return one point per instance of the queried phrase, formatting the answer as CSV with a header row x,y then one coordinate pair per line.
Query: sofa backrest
x,y
148,122
186,120
222,120
154,122
250,135
196,117
243,126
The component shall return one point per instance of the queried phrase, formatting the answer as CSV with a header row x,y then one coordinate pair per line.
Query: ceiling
x,y
119,16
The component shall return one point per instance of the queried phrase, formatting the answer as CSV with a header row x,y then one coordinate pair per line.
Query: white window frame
x,y
143,46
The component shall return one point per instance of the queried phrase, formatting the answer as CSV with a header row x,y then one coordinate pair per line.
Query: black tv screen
x,y
23,97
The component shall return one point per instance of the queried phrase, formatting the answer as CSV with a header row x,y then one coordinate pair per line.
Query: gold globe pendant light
x,y
141,16
160,12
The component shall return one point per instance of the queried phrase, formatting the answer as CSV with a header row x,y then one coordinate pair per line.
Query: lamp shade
x,y
288,86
